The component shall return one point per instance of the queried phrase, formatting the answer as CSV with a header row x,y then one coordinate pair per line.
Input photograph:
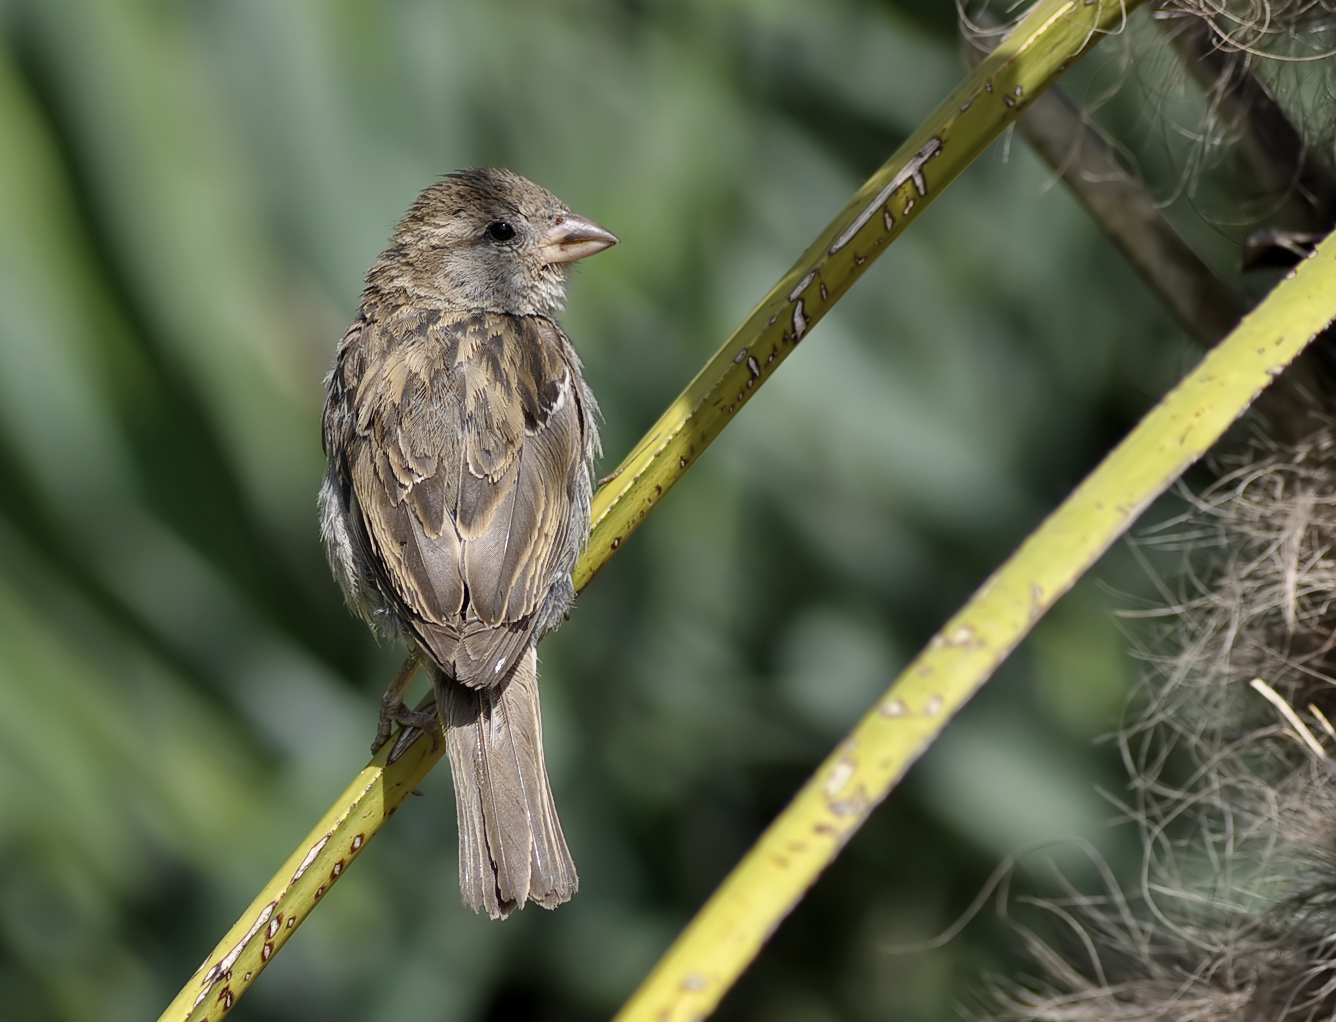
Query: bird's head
x,y
488,240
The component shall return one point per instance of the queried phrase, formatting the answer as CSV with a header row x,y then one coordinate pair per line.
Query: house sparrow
x,y
461,439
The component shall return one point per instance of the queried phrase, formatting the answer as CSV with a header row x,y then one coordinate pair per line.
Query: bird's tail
x,y
511,849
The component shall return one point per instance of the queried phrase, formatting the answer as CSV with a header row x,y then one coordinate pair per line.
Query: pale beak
x,y
574,238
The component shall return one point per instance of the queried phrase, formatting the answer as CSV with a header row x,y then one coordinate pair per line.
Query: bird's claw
x,y
412,723
610,477
393,711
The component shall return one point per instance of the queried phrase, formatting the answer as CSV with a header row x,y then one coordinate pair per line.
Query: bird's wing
x,y
471,435
407,424
524,444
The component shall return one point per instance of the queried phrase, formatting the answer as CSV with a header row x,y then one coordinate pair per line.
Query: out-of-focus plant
x,y
189,193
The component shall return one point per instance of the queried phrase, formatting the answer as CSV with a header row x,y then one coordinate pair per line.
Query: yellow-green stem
x,y
1052,36
728,932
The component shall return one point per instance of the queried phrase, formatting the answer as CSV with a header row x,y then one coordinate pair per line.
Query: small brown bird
x,y
461,440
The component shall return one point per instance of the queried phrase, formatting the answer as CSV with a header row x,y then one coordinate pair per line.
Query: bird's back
x,y
465,443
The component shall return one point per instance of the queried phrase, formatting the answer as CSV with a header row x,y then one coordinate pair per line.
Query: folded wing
x,y
471,436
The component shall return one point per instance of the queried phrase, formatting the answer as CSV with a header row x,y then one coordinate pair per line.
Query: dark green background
x,y
190,192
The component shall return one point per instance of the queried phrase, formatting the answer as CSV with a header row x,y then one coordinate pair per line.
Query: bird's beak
x,y
574,238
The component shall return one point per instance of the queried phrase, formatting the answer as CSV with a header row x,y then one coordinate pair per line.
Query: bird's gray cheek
x,y
452,274
521,280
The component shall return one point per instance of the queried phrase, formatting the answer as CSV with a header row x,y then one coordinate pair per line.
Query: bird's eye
x,y
499,230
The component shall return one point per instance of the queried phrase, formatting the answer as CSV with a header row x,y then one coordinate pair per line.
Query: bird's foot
x,y
393,710
408,719
413,724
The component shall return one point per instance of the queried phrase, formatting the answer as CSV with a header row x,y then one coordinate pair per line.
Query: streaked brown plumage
x,y
461,440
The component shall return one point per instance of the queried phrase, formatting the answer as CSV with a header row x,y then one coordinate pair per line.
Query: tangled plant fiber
x,y
1234,915
1278,29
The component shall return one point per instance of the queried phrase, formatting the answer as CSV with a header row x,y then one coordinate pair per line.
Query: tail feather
x,y
511,848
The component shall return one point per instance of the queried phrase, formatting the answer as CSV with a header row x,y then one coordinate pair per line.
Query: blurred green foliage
x,y
190,192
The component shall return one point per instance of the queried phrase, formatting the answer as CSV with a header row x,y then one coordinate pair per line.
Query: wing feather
x,y
470,438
